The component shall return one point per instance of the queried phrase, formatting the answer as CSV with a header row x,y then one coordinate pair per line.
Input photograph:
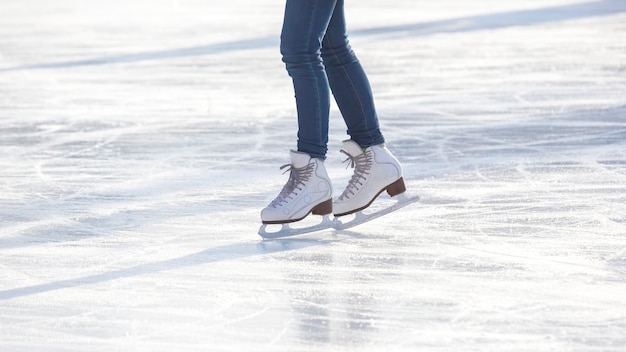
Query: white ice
x,y
140,139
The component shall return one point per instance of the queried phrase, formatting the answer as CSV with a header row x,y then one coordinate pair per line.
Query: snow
x,y
140,139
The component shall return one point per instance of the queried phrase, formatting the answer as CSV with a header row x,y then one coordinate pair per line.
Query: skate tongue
x,y
299,159
352,148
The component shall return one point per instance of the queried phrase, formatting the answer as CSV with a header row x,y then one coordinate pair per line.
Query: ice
x,y
140,139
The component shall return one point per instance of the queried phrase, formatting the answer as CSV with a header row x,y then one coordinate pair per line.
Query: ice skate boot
x,y
375,170
308,190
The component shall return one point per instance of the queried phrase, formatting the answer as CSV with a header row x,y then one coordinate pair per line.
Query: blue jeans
x,y
319,59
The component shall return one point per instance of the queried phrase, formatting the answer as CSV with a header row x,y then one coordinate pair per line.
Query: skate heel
x,y
397,187
323,208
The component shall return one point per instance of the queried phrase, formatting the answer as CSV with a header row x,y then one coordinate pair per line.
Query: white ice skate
x,y
307,191
375,170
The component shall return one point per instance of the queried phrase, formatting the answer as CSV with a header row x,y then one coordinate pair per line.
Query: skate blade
x,y
289,229
360,217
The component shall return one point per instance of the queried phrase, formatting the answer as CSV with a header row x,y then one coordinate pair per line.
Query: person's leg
x,y
349,83
304,26
308,189
375,168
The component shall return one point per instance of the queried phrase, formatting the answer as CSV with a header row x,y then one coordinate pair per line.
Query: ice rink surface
x,y
140,139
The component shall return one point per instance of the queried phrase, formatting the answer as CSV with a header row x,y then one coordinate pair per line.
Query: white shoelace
x,y
361,165
297,180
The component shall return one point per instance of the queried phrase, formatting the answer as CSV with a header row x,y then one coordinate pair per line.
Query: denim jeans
x,y
319,59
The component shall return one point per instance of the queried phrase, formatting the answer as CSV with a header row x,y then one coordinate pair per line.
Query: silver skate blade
x,y
286,230
360,217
